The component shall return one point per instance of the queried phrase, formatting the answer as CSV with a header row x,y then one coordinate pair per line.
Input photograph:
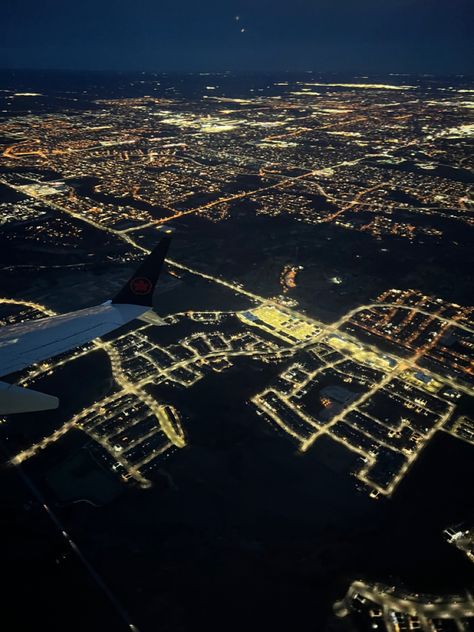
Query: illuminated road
x,y
417,310
285,182
77,216
355,202
354,405
136,389
176,436
454,608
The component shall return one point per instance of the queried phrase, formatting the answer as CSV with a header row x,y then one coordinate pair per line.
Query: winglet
x,y
140,287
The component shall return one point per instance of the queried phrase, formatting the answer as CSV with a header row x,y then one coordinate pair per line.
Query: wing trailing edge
x,y
15,399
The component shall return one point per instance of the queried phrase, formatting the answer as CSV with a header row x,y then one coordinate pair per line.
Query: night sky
x,y
432,36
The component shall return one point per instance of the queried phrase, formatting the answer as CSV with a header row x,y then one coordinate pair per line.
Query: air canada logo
x,y
141,285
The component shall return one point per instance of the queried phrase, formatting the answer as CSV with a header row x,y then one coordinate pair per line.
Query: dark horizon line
x,y
352,72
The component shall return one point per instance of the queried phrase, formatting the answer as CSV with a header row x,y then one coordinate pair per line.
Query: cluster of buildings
x,y
462,537
383,608
381,406
365,157
131,428
358,156
439,331
384,407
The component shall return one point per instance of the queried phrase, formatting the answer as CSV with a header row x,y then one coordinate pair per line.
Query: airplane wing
x,y
15,399
28,343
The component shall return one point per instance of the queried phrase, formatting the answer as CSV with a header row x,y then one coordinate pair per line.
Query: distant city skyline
x,y
366,37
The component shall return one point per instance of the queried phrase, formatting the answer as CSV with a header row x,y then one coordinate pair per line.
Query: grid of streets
x,y
383,406
382,379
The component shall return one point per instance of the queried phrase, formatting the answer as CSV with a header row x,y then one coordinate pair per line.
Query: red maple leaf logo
x,y
141,285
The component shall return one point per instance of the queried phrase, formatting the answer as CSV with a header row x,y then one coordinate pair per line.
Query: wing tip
x,y
16,399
